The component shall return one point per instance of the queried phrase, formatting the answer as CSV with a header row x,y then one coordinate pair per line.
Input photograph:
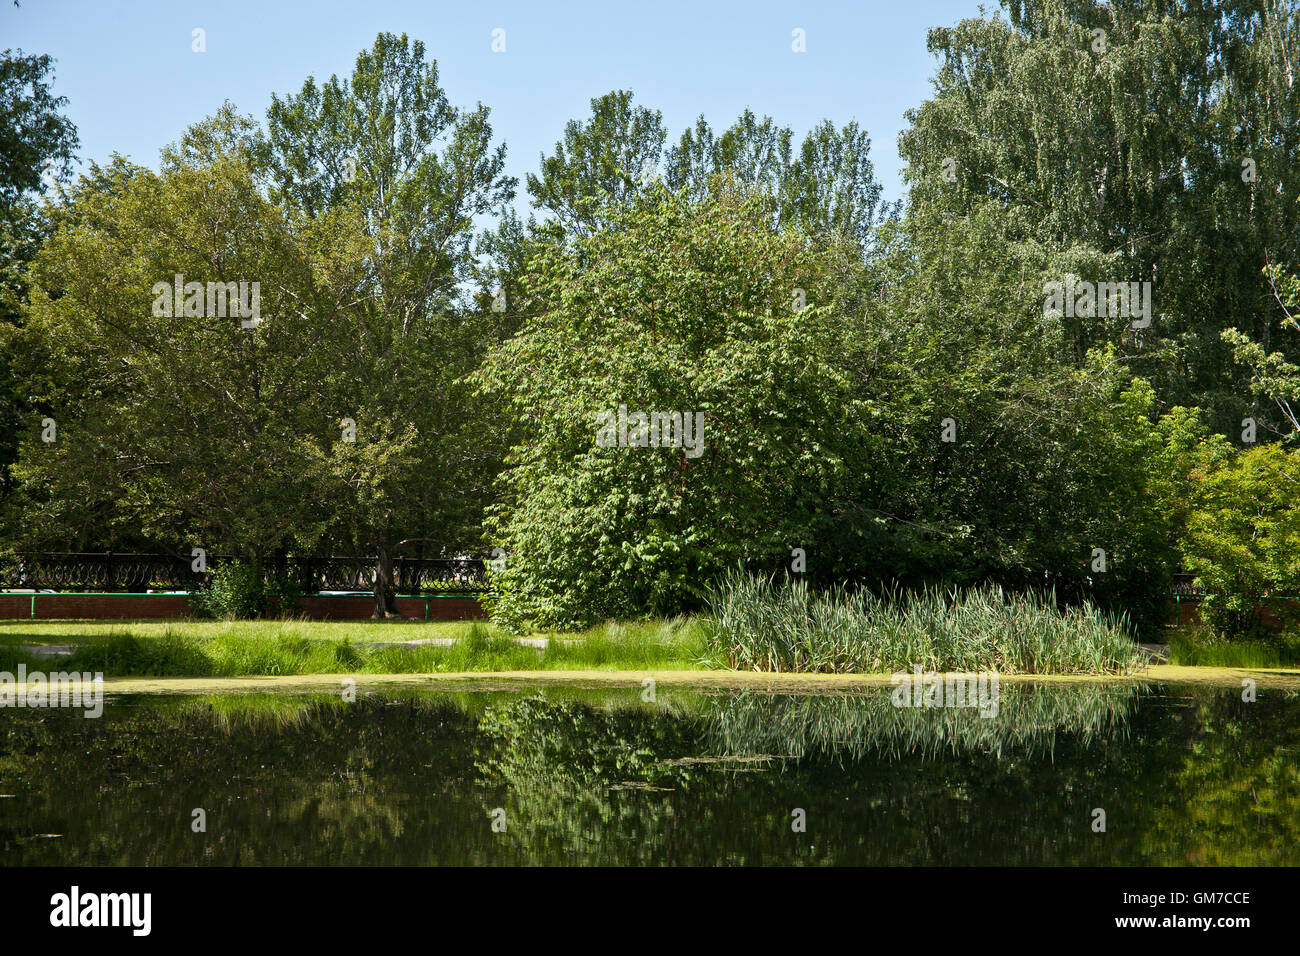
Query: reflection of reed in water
x,y
1029,719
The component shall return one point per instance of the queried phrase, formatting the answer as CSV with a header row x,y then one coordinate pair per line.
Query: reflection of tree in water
x,y
282,779
575,772
1234,799
580,777
1029,720
1184,775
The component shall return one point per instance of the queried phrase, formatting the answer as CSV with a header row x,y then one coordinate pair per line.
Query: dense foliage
x,y
833,385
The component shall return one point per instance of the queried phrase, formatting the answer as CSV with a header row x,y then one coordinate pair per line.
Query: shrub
x,y
234,590
1243,535
281,592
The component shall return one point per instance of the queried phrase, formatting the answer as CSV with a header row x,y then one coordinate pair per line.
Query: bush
x,y
282,593
1243,535
234,590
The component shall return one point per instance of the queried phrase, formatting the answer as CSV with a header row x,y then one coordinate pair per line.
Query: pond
x,y
1184,775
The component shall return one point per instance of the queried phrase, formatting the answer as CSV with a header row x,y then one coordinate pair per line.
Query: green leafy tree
x,y
35,138
988,455
754,152
182,421
600,162
397,175
828,189
686,308
37,145
1275,377
1243,537
1159,136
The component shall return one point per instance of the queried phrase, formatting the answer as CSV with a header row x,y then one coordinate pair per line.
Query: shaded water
x,y
1185,776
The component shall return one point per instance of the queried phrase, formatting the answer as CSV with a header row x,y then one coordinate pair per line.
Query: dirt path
x,y
1227,677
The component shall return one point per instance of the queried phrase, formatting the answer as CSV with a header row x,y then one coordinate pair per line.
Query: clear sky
x,y
134,83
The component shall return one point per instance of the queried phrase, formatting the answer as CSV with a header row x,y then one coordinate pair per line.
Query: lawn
x,y
74,632
292,647
220,649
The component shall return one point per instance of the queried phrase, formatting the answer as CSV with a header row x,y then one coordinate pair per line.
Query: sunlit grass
x,y
286,648
71,632
1199,647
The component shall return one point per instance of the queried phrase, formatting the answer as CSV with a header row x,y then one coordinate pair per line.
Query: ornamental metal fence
x,y
310,574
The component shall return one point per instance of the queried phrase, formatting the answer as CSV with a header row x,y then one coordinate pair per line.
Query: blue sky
x,y
134,84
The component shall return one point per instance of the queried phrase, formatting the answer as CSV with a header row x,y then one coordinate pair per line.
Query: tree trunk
x,y
279,570
256,562
385,597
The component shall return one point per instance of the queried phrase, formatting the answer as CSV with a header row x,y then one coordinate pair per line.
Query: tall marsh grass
x,y
762,624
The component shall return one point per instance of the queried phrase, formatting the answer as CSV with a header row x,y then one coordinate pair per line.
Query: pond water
x,y
569,776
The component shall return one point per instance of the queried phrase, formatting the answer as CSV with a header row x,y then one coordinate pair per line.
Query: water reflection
x,y
601,777
1030,718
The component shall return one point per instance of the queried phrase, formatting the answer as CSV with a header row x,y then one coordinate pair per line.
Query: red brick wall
x,y
1188,611
12,605
361,606
144,606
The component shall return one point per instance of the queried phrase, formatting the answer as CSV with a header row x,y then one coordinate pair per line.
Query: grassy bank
x,y
753,625
761,624
1199,647
286,648
363,631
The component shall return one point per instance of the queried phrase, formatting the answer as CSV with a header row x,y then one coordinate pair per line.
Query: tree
x,y
176,412
37,145
1243,537
1274,377
689,314
986,455
35,138
385,159
830,189
754,152
1159,137
602,161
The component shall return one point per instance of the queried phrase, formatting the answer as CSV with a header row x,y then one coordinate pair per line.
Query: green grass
x,y
1199,647
71,632
287,648
760,624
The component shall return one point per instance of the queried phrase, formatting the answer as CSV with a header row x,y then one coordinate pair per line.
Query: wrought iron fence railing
x,y
1185,584
310,574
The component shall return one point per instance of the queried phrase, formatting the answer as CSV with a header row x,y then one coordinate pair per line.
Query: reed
x,y
761,624
1031,719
